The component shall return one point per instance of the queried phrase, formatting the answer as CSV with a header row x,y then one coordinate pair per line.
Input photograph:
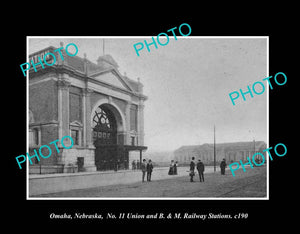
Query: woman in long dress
x,y
175,168
171,169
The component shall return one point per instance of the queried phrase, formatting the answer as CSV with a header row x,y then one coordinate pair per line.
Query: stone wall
x,y
70,157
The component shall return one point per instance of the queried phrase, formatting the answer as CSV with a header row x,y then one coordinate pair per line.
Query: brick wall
x,y
43,101
43,105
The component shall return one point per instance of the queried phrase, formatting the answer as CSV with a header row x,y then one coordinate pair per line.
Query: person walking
x,y
192,169
200,169
223,166
144,169
149,170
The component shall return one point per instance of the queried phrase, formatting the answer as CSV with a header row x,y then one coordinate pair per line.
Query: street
x,y
251,183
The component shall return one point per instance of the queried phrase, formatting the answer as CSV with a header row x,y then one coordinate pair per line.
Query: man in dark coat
x,y
144,169
223,166
192,169
149,170
200,168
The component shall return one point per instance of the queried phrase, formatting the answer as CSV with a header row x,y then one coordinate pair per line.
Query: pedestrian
x,y
192,169
200,169
223,166
175,168
149,170
144,169
171,169
116,165
133,165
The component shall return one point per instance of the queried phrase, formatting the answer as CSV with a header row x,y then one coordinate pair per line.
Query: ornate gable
x,y
112,77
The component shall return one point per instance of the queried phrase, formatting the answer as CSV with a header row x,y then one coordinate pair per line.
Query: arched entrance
x,y
110,153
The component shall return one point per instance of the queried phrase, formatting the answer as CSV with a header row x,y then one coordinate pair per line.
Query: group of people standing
x,y
135,165
173,168
147,167
200,169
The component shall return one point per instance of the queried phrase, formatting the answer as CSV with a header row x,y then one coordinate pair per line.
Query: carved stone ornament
x,y
63,84
87,91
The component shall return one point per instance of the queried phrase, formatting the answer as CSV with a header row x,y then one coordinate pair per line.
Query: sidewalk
x,y
51,183
251,184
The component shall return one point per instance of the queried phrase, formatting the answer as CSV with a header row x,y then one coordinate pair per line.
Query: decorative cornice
x,y
64,69
63,83
76,124
87,91
38,124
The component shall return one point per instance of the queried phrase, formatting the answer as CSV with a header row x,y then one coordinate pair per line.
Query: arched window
x,y
104,126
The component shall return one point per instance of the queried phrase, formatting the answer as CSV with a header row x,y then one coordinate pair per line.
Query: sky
x,y
188,82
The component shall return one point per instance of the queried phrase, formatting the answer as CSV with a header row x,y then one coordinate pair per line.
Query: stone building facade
x,y
101,109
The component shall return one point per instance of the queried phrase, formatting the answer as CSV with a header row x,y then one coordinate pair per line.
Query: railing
x,y
34,57
52,169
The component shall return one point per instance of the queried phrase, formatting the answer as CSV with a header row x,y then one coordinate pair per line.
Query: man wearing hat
x,y
223,166
149,168
192,169
200,168
144,169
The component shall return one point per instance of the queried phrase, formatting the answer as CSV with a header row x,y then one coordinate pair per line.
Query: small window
x,y
75,136
132,140
36,136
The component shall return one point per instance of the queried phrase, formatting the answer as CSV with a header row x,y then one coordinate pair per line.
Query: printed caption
x,y
142,216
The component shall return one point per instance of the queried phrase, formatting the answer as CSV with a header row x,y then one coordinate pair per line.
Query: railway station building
x,y
231,151
101,109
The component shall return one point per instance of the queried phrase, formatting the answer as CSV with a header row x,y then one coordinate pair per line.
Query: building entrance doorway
x,y
109,153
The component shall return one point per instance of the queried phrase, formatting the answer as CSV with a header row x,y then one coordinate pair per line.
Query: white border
x,y
142,198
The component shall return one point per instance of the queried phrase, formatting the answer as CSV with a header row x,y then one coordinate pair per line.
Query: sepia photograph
x,y
105,122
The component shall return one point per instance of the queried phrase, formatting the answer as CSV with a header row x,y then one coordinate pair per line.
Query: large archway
x,y
107,124
104,126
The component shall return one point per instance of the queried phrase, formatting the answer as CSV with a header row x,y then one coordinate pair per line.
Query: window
x,y
75,136
75,108
132,140
133,117
104,126
34,137
76,132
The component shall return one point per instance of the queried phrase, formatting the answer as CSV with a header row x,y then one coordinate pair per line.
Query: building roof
x,y
84,66
231,146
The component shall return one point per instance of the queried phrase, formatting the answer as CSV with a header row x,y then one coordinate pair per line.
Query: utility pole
x,y
254,145
214,148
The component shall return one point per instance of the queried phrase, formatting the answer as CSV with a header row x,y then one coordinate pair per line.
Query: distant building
x,y
234,151
101,109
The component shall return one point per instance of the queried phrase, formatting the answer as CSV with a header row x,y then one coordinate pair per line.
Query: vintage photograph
x,y
105,123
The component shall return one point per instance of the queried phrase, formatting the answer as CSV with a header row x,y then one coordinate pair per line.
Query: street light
x,y
214,148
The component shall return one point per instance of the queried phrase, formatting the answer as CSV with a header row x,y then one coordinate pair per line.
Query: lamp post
x,y
214,148
254,146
